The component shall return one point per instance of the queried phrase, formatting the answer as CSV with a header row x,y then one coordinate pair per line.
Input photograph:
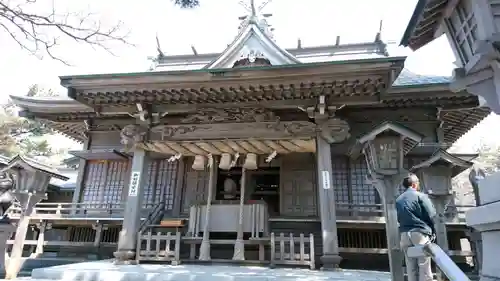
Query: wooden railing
x,y
80,210
283,251
158,246
346,211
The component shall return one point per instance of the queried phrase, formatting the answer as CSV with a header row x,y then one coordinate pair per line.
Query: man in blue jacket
x,y
415,216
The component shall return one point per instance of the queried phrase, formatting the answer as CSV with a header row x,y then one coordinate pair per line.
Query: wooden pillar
x,y
239,246
6,230
330,258
43,226
80,180
127,240
98,227
205,244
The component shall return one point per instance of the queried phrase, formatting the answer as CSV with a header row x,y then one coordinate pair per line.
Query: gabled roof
x,y
21,162
408,78
424,23
254,39
458,162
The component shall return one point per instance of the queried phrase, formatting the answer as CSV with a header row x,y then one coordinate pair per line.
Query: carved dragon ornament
x,y
230,115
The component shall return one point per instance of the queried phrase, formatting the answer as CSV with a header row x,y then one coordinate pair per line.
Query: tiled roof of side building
x,y
408,78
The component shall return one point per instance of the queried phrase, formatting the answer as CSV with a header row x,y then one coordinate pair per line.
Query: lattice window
x,y
162,177
167,179
104,183
362,192
115,182
340,181
463,29
150,187
94,177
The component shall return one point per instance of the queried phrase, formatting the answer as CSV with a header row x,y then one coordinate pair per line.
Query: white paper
x,y
326,180
134,184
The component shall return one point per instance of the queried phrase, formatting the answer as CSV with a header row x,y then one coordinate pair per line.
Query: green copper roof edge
x,y
400,59
419,9
419,85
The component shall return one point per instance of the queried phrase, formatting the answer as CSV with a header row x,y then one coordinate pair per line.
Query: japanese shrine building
x,y
299,111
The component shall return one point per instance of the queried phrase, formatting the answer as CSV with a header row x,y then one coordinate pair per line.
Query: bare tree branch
x,y
38,32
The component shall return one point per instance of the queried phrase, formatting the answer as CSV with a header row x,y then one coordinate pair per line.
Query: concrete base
x,y
330,261
107,270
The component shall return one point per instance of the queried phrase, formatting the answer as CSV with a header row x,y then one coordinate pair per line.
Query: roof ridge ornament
x,y
254,15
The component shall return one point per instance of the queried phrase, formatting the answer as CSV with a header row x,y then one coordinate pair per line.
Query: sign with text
x,y
325,175
134,184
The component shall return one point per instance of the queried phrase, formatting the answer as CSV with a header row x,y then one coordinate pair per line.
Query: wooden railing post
x,y
42,227
98,227
290,256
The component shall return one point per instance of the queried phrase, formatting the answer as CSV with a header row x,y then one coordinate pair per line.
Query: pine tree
x,y
20,135
187,3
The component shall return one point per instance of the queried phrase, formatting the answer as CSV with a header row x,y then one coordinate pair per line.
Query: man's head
x,y
411,181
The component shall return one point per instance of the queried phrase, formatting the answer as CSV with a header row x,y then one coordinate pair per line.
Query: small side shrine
x,y
31,180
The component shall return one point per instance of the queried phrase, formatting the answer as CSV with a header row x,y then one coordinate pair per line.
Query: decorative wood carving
x,y
334,130
230,115
132,134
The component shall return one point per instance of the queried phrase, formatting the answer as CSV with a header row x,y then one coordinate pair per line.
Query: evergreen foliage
x,y
20,135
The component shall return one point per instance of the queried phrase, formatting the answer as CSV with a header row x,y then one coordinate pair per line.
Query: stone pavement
x,y
107,271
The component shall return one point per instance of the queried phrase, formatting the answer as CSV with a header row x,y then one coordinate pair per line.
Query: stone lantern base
x,y
6,230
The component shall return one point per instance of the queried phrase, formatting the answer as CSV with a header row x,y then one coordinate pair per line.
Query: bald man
x,y
415,216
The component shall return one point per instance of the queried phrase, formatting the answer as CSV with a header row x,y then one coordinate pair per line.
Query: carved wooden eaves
x,y
245,137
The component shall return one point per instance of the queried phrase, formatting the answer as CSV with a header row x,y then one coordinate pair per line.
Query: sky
x,y
210,28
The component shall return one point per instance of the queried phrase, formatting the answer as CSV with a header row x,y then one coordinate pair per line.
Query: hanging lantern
x,y
199,163
225,161
250,162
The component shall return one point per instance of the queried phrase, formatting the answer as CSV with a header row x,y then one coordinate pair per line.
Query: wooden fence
x,y
158,247
283,250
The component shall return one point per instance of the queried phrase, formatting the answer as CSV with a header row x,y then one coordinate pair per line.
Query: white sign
x,y
134,184
326,180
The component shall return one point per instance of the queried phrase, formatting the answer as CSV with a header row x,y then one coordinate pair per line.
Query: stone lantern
x,y
31,180
485,219
384,149
435,176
